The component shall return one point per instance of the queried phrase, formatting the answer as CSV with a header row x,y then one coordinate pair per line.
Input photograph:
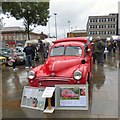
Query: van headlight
x,y
77,75
31,74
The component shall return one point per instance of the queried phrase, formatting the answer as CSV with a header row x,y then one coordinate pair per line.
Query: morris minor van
x,y
69,62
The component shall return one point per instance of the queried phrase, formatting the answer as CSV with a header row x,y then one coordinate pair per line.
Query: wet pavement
x,y
103,101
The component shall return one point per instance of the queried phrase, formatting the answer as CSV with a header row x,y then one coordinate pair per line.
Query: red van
x,y
69,62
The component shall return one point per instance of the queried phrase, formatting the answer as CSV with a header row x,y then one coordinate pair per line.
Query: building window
x,y
113,32
114,26
5,37
10,38
99,20
90,20
90,26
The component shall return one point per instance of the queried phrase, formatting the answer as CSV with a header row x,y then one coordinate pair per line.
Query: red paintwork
x,y
69,94
60,69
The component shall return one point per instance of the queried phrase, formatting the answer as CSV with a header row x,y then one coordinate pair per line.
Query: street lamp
x,y
55,25
69,28
49,26
75,27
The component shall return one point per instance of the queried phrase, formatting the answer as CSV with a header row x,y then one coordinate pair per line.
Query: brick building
x,y
15,35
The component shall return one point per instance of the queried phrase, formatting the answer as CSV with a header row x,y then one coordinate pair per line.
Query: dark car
x,y
20,55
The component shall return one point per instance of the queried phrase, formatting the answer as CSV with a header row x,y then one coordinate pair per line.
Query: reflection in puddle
x,y
98,76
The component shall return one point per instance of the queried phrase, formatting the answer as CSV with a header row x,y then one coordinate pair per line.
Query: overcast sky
x,y
75,11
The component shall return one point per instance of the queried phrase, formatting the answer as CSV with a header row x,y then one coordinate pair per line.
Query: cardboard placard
x,y
48,92
31,98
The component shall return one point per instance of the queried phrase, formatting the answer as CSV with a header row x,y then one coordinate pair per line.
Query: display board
x,y
31,98
71,97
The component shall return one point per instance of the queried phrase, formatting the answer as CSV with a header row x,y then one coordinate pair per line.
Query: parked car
x,y
3,60
5,52
4,55
69,62
21,56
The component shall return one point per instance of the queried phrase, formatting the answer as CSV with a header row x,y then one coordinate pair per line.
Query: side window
x,y
73,51
57,51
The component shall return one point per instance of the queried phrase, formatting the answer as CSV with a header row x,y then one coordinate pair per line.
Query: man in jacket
x,y
99,48
28,52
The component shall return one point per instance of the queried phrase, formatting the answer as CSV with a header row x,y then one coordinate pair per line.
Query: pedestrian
x,y
41,51
110,48
14,58
94,51
114,46
45,52
100,46
34,50
28,52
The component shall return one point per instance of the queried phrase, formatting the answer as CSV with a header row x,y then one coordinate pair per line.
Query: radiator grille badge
x,y
53,74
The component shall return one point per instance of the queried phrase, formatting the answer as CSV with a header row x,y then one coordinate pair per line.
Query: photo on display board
x,y
31,98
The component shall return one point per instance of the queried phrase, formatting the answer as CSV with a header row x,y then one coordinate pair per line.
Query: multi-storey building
x,y
103,26
119,18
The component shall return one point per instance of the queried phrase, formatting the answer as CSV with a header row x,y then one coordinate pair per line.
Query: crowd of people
x,y
33,53
39,52
101,49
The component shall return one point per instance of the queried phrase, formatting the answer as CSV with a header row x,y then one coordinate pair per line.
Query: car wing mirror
x,y
88,50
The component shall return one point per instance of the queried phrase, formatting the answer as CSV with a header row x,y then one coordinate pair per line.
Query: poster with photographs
x,y
71,97
31,98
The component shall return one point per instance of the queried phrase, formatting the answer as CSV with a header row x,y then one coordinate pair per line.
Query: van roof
x,y
78,39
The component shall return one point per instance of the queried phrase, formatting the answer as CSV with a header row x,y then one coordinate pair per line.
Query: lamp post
x,y
55,25
75,27
49,26
69,28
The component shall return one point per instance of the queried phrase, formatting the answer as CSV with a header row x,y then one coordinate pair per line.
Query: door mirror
x,y
88,50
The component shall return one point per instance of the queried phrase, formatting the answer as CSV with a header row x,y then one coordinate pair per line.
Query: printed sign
x,y
31,98
48,92
71,97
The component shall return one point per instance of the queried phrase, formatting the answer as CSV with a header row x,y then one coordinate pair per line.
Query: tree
x,y
33,13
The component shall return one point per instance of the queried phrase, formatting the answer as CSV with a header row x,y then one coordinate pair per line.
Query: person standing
x,y
28,52
100,46
13,58
114,46
41,51
110,47
34,50
94,51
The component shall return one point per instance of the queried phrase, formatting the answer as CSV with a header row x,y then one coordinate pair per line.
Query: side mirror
x,y
88,50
